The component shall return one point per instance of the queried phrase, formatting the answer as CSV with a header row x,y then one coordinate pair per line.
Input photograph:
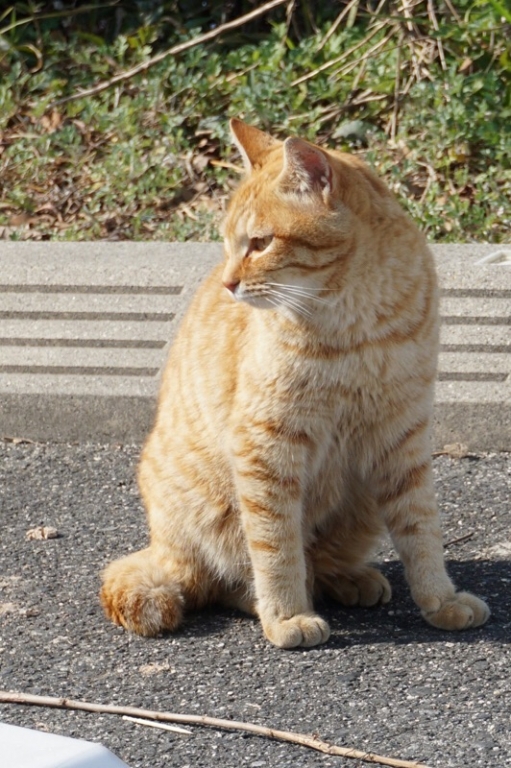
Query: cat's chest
x,y
329,388
323,392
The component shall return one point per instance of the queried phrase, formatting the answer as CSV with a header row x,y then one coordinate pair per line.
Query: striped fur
x,y
294,417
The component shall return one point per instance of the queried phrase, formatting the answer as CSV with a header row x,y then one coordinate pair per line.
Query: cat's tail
x,y
141,595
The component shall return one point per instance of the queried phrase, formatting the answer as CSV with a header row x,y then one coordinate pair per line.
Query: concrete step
x,y
85,330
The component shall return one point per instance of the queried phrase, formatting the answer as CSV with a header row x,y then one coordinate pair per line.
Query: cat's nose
x,y
231,285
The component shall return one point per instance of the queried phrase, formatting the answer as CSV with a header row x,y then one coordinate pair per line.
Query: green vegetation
x,y
422,90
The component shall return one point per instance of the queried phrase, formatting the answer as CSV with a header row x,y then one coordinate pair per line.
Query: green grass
x,y
150,159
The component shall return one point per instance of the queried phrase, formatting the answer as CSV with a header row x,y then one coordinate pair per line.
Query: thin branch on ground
x,y
453,11
377,28
145,65
351,65
395,107
51,15
459,540
289,18
436,27
16,697
345,11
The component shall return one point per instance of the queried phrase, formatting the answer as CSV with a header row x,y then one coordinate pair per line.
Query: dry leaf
x,y
42,532
19,219
189,212
52,122
465,66
199,162
7,608
454,450
47,207
154,668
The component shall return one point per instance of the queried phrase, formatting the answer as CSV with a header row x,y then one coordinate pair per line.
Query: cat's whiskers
x,y
294,291
308,289
304,294
291,302
277,300
280,304
296,305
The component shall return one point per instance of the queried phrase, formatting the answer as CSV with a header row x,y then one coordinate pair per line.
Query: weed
x,y
422,91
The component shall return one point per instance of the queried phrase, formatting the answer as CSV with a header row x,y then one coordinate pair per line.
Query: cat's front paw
x,y
461,611
303,629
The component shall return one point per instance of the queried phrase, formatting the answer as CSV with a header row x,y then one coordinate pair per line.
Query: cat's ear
x,y
251,142
306,169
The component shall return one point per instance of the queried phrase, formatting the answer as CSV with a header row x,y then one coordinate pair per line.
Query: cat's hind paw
x,y
367,588
303,629
138,595
462,611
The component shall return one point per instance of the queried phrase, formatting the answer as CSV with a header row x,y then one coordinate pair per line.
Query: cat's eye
x,y
260,244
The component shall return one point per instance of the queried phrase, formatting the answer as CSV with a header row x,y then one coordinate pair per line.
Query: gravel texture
x,y
385,682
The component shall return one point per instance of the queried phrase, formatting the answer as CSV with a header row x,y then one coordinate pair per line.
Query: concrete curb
x,y
85,330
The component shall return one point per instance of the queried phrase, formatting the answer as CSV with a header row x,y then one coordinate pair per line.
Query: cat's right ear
x,y
306,169
251,142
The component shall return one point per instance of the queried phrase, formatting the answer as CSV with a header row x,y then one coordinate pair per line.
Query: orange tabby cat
x,y
294,415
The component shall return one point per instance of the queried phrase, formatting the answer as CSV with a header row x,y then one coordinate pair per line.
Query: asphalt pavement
x,y
385,682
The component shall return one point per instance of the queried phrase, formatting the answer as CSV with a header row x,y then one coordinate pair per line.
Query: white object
x,y
501,257
26,748
154,724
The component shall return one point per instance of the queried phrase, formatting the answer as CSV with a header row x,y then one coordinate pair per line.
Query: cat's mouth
x,y
255,296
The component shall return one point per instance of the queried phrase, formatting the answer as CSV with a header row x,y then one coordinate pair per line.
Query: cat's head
x,y
294,221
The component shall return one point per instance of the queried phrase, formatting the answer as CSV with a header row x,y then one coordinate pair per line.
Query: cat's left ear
x,y
252,143
306,169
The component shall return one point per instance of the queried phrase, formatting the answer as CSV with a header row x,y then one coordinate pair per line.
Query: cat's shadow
x,y
399,621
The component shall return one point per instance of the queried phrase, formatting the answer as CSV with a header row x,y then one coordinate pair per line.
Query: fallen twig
x,y
377,28
345,11
53,15
16,697
454,450
346,68
17,440
395,108
145,65
224,164
460,539
434,21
